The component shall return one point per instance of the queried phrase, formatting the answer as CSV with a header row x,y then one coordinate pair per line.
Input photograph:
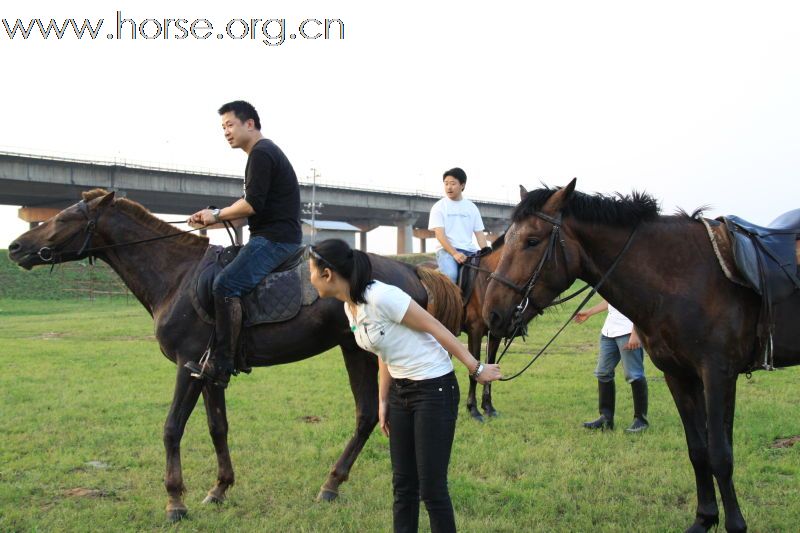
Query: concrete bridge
x,y
44,185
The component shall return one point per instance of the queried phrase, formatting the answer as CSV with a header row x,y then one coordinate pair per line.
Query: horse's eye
x,y
532,241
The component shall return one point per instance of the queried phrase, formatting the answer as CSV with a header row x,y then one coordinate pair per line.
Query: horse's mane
x,y
499,242
444,298
616,210
139,212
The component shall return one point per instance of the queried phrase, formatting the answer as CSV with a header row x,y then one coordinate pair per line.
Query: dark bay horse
x,y
699,328
160,274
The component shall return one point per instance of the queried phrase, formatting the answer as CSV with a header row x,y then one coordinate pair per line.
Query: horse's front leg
x,y
474,341
187,390
492,345
687,391
720,397
214,399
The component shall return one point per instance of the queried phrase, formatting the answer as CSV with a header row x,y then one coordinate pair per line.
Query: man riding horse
x,y
271,203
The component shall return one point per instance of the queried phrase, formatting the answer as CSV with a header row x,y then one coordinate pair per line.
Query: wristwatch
x,y
478,370
215,214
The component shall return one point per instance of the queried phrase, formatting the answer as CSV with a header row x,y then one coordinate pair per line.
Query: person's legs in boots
x,y
435,423
256,259
607,360
405,483
633,363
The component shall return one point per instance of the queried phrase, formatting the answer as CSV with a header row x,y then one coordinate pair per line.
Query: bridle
x,y
52,255
525,290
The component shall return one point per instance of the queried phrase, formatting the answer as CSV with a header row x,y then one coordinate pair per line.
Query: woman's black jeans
x,y
422,422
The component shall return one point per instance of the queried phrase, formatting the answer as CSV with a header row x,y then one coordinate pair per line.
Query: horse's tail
x,y
444,298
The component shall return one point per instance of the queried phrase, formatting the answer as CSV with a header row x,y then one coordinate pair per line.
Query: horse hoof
x,y
492,413
213,499
327,495
176,515
477,417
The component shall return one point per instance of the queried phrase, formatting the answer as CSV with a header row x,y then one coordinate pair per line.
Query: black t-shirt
x,y
271,188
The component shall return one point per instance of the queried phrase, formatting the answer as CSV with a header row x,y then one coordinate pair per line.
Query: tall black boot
x,y
607,401
219,367
639,391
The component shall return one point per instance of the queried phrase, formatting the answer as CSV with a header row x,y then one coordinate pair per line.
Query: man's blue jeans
x,y
256,259
611,352
448,265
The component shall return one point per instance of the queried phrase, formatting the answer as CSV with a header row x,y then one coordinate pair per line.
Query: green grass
x,y
85,382
75,280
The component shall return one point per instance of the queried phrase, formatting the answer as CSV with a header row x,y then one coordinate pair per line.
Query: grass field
x,y
85,382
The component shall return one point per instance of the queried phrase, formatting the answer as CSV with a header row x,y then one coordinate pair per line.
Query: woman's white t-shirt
x,y
377,327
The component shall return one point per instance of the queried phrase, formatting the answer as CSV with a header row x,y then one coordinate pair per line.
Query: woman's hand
x,y
489,373
383,417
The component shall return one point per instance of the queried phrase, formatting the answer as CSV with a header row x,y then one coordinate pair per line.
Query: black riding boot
x,y
219,367
639,390
607,399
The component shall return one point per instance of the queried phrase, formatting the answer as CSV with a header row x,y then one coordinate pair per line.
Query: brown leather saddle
x,y
279,296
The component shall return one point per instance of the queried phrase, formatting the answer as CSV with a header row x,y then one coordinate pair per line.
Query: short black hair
x,y
244,111
456,173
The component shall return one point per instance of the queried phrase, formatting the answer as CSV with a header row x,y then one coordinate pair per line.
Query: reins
x,y
49,255
526,290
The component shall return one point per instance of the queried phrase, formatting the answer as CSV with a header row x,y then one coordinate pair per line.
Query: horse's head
x,y
538,262
65,237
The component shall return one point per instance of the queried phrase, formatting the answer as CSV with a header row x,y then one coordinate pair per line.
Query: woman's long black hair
x,y
353,265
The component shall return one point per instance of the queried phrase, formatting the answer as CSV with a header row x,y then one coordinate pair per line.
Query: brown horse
x,y
699,328
160,273
476,329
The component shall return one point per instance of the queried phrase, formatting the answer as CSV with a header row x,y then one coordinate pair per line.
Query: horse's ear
x,y
523,192
560,198
108,199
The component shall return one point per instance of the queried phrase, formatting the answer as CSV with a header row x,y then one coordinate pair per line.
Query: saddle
x,y
468,272
765,259
278,297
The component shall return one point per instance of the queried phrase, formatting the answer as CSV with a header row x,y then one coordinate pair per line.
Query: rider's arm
x,y
481,239
442,238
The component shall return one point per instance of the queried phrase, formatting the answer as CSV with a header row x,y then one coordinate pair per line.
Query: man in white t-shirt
x,y
457,224
618,341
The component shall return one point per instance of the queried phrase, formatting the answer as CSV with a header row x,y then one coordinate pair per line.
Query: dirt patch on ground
x,y
50,335
311,419
787,442
81,492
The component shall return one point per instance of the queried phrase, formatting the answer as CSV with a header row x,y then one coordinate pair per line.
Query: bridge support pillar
x,y
405,233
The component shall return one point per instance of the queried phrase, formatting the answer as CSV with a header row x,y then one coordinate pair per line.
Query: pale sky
x,y
694,102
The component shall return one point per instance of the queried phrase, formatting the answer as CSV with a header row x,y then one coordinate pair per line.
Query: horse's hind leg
x,y
214,398
187,390
492,345
362,369
720,396
474,340
687,391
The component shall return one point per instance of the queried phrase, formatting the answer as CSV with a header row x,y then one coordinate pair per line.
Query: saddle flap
x,y
766,258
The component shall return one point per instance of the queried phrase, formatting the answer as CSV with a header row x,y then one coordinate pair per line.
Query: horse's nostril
x,y
14,246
